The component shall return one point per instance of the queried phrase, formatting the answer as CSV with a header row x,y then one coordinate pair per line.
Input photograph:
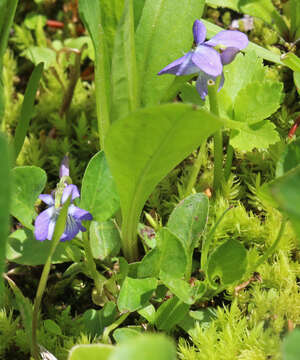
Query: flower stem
x,y
228,163
218,136
58,231
99,279
195,170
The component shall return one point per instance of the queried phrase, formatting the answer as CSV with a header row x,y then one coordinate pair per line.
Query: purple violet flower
x,y
205,59
46,220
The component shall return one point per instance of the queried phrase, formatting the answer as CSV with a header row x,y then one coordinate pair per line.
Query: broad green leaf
x,y
228,263
295,19
146,347
187,221
7,13
289,159
124,71
286,191
105,239
96,320
27,108
142,148
98,192
4,206
135,293
291,60
244,70
182,289
40,55
23,248
290,346
91,352
231,4
28,182
190,95
249,136
91,16
161,39
213,29
170,313
122,335
138,9
257,101
168,256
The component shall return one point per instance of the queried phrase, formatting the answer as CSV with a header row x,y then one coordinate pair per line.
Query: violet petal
x,y
42,224
78,213
201,84
208,60
199,31
64,167
229,38
47,199
228,55
68,190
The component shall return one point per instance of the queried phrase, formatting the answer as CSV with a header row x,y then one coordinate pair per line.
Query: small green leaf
x,y
290,347
289,159
96,320
122,335
297,80
142,148
27,108
105,239
28,182
40,55
4,206
168,256
52,328
98,192
228,262
170,313
148,312
187,221
91,352
161,39
146,347
193,319
295,19
190,95
135,293
259,135
257,101
32,20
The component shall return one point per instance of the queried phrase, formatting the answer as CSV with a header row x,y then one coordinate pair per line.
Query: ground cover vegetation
x,y
150,173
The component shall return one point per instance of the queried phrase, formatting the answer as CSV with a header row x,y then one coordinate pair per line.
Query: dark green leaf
x,y
228,262
142,148
161,39
124,72
135,293
27,108
98,192
28,182
170,313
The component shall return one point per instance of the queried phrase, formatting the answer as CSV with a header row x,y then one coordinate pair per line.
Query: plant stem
x,y
218,136
97,277
228,163
273,247
58,231
195,170
113,326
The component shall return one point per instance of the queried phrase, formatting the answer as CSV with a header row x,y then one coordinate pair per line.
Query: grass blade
x,y
27,108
